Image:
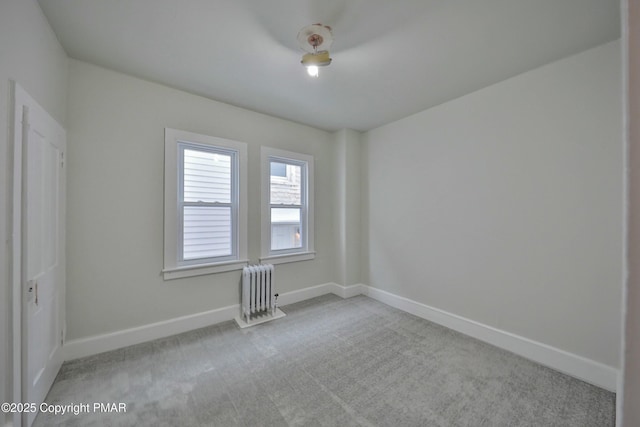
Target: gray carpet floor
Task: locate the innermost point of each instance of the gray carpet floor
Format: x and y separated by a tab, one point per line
330	362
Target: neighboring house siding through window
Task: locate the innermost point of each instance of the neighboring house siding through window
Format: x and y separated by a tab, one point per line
205	204
286	190
287	206
208	206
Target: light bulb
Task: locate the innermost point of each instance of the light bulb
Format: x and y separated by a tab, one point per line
312	70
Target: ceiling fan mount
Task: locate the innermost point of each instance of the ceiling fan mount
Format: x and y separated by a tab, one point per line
315	39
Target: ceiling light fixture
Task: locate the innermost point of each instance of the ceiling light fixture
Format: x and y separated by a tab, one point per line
315	40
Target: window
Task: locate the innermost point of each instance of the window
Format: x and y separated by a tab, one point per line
287	206
205	204
207	198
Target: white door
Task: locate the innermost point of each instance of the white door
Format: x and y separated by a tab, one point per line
43	269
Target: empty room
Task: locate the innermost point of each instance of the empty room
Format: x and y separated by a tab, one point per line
320	213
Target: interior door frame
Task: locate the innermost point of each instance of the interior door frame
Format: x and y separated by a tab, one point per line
19	129
19	98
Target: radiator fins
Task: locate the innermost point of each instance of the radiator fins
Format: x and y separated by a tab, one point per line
258	291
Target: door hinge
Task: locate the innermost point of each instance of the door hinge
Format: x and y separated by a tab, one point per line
62	159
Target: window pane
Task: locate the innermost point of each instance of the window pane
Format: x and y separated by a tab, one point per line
207	232
207	176
278	169
288	189
285	228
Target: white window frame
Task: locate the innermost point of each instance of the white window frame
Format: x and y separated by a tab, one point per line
307	251
174	266
232	204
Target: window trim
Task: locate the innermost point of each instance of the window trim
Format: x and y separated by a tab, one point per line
307	251
174	267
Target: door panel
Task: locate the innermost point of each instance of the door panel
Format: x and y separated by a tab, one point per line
43	145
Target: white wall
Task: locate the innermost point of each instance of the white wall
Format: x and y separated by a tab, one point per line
115	200
631	410
347	207
31	55
505	206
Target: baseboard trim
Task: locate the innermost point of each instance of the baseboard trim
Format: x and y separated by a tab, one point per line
75	349
571	364
347	291
82	347
579	367
304	294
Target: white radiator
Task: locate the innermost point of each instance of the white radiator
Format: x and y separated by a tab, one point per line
258	291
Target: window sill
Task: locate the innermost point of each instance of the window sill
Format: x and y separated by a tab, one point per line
203	269
282	259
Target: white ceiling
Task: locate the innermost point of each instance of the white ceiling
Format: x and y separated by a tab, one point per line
390	58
